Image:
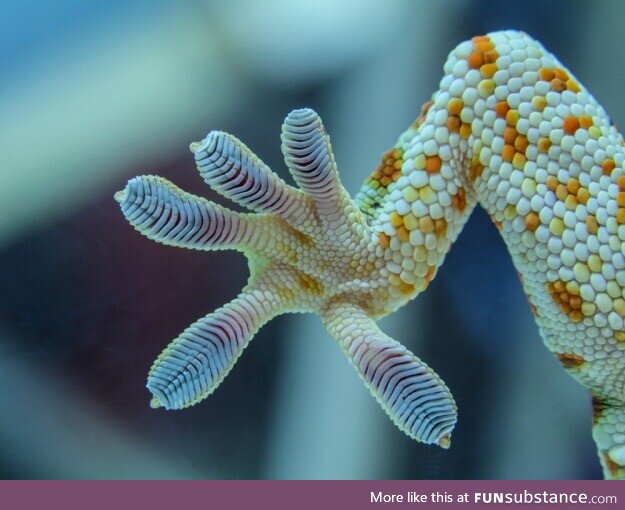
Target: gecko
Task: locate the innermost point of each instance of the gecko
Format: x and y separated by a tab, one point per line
511	129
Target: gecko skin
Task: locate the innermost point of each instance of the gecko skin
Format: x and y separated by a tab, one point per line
510	128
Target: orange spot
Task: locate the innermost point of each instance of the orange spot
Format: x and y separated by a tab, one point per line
567	299
424	110
490	57
608	165
621	182
558	85
433	164
532	221
546	74
520	143
620	216
384	240
459	201
592	225
509	135
552	183
544	144
484	46
571	124
508	153
570	360
598	406
396	220
476	59
476	170
391	161
561	74
454	123
610	465
454	107
583	195
620	199
430	273
426	224
406	288
307	282
572	186
502	108
480	38
585	121
440	227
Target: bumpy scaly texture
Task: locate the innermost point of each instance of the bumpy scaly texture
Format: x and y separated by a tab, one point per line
510	128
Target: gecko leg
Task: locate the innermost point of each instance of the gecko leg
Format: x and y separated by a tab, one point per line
411	393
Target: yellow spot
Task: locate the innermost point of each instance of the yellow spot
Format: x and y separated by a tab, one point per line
488	70
410	194
427	195
465	131
594	132
594	263
486	88
512	117
539	103
509	212
572	86
620	336
518	161
402	233
410	222
619	306
556	226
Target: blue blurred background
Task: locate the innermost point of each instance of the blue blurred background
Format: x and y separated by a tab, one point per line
93	93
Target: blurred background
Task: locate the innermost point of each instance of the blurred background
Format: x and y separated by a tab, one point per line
93	93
